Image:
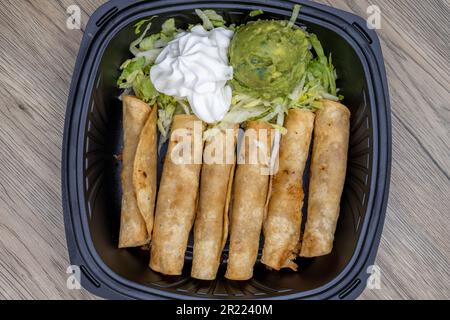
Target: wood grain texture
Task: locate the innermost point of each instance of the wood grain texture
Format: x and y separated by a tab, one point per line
37	57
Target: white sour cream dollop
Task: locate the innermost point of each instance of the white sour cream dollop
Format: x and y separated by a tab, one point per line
195	66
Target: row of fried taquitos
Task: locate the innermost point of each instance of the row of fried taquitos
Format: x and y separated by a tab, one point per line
202	193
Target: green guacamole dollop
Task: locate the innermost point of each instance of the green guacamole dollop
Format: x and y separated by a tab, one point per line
269	58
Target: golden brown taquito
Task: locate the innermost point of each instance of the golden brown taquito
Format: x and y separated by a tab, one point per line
136	117
284	217
211	224
250	196
177	196
327	177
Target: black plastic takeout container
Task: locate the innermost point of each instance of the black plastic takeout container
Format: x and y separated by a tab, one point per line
91	174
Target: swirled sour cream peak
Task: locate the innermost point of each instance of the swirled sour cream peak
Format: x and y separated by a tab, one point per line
195	66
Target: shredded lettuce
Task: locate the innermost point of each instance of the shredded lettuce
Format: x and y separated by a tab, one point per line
134	45
140	24
168	28
143	87
277	112
167	107
210	18
295	14
322	68
246	108
319	81
256	13
207	24
130	70
239	115
148	43
184	105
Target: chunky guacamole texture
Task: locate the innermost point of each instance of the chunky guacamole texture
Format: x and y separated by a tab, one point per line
269	58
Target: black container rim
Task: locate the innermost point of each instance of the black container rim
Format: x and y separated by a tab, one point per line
112	17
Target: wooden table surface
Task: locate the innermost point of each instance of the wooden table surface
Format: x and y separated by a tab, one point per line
37	58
